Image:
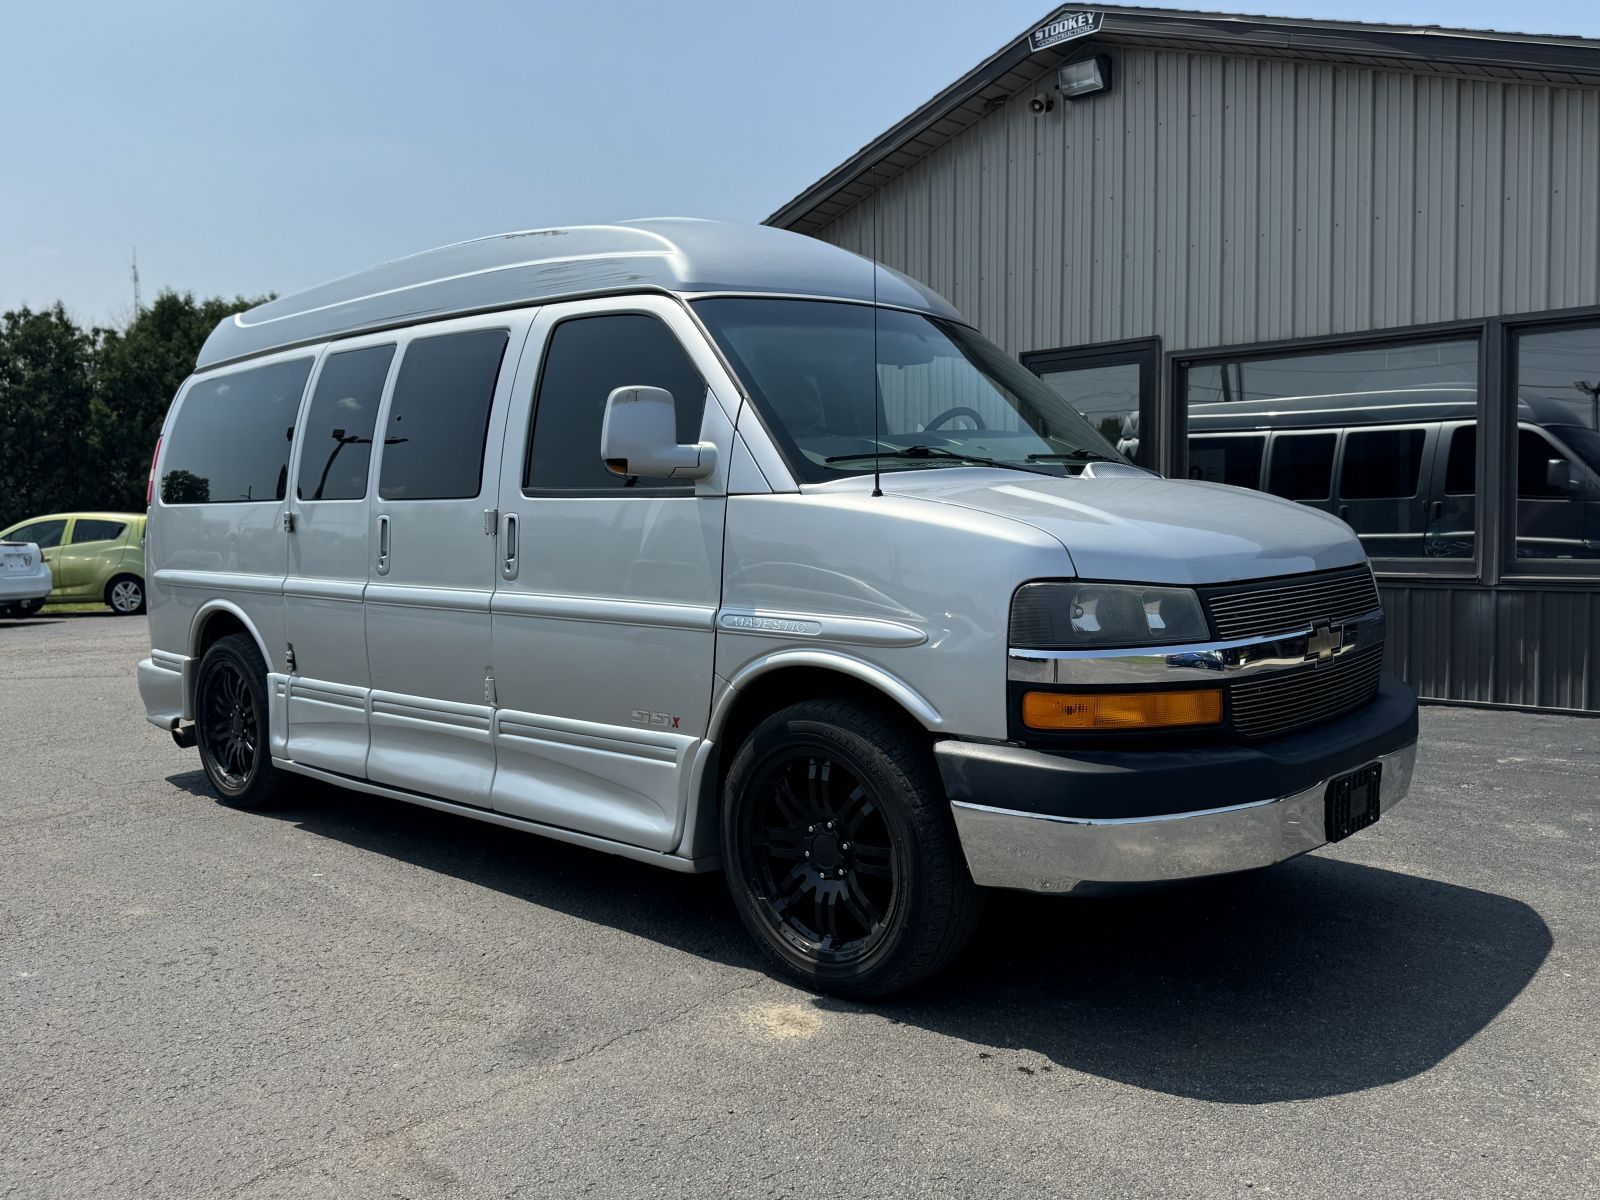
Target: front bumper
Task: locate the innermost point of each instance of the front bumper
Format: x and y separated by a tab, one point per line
1045	822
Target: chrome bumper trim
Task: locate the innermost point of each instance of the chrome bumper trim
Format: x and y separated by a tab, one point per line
1210	662
1039	853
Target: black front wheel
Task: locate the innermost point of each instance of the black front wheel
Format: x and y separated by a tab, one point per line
840	850
231	723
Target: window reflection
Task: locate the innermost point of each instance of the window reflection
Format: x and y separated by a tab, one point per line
1558	446
1108	396
1361	433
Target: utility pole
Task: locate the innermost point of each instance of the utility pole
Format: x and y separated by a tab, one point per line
137	307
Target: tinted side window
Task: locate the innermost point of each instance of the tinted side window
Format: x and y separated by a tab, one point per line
231	439
1461	468
588	358
1235	460
439	417
336	448
43	534
1534	456
1381	464
1302	465
96	531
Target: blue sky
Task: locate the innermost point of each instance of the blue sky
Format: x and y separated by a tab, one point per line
272	146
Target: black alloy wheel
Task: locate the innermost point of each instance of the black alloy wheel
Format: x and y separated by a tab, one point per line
231	723
819	852
232	728
841	853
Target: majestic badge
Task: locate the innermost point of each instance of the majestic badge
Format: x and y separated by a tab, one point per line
1065	28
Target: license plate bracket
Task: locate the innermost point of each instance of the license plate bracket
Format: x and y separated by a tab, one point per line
1352	802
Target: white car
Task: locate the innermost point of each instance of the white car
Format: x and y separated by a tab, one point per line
24	579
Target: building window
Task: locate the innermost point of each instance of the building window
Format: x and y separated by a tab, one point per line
1361	432
1114	386
1557	460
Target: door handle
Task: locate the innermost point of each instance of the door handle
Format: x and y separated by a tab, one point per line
508	561
1344	512
383	545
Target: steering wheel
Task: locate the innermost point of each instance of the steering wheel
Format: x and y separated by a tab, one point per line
951	413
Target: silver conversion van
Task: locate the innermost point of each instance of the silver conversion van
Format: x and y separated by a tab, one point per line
716	546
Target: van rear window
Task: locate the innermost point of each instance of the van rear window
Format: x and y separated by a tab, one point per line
230	442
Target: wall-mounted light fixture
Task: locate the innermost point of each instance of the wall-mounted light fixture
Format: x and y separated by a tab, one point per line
1084	78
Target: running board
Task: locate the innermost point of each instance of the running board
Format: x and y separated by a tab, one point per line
672	862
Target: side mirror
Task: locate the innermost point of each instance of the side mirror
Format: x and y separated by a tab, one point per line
640	437
1558	475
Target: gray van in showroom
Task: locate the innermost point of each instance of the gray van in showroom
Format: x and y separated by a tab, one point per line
716	546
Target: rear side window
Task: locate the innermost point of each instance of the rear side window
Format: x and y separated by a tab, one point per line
43	534
1381	464
1232	460
336	448
1302	465
96	531
439	417
588	358
230	442
1461	468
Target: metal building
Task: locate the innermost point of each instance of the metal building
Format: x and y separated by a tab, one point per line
1356	265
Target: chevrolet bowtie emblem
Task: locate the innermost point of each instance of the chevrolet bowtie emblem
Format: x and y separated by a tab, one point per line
1324	642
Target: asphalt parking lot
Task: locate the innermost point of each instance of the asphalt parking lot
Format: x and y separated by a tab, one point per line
354	998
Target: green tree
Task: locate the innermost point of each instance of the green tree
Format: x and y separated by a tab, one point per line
46	381
137	372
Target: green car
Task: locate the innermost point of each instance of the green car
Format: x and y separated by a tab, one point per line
92	556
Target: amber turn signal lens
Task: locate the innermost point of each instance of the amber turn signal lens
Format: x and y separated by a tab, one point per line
1121	710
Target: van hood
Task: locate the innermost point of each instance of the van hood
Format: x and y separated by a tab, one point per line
1149	529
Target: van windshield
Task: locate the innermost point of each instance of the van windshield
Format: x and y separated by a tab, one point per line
934	394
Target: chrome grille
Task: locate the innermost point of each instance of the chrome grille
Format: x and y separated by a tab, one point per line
1252	611
1295	699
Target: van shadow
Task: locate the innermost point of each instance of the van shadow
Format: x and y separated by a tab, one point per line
1314	978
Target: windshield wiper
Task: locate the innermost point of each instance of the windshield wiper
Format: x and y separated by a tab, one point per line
941	453
1073	456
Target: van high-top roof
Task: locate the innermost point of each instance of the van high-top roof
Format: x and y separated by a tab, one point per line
678	255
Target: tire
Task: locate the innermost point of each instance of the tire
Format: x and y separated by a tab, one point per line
873	902
125	595
26	608
231	727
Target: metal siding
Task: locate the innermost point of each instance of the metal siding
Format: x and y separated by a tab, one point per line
1240	223
1524	646
1212	199
1199	321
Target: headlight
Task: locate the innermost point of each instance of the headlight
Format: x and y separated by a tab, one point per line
1073	616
